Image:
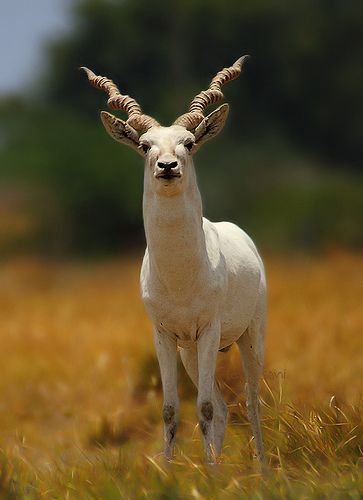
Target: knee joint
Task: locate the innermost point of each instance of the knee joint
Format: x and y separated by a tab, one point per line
206	410
168	414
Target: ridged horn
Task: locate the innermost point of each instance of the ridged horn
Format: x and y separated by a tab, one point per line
136	119
212	95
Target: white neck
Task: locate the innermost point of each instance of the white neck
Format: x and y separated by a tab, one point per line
174	235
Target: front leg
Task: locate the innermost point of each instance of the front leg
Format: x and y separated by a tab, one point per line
166	350
208	345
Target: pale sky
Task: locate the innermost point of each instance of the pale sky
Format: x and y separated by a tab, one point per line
25	25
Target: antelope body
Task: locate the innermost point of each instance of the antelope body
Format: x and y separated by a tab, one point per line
202	283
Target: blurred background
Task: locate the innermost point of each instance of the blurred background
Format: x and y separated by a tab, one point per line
80	391
287	168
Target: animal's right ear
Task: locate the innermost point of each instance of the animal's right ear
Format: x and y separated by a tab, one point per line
121	131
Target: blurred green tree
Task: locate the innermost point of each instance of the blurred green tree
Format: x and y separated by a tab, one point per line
305	75
296	113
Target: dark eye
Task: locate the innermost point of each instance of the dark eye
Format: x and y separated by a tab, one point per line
145	147
189	145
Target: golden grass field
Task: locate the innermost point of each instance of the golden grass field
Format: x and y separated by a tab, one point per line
80	399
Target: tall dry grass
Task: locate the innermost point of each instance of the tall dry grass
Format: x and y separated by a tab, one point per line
80	391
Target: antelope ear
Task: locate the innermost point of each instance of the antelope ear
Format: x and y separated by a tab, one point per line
211	125
120	131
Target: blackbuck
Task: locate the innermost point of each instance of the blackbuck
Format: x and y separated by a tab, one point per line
202	283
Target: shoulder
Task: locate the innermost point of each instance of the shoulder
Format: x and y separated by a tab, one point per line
236	242
232	231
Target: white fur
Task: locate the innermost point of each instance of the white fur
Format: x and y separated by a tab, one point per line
203	286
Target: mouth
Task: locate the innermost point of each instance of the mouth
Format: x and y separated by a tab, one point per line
168	175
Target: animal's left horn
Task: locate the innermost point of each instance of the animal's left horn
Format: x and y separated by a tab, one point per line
210	96
136	118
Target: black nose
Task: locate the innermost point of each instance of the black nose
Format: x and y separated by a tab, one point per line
167	165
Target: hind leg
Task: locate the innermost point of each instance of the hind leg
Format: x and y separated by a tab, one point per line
251	347
189	358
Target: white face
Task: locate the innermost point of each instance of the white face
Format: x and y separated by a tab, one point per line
167	151
168	165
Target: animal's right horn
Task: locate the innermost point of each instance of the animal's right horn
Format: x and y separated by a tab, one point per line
136	119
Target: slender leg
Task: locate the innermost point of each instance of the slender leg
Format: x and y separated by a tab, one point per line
220	419
166	350
250	345
189	358
207	348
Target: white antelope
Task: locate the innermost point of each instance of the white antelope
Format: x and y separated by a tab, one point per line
202	283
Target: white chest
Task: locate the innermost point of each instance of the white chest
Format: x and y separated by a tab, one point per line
184	313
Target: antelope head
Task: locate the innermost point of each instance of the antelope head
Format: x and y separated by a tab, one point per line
167	150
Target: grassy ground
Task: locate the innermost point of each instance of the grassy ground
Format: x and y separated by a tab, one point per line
80	398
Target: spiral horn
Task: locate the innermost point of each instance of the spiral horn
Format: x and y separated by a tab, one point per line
212	95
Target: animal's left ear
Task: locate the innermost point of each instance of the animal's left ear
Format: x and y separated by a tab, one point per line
120	131
211	125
